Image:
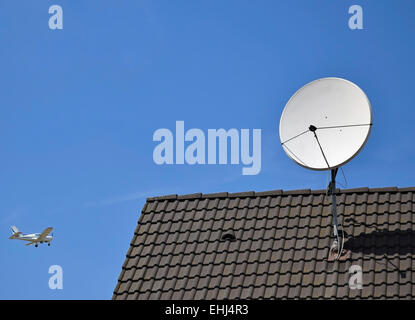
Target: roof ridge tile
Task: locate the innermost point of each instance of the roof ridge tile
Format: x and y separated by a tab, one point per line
242	194
166	197
190	196
269	193
214	195
356	190
386	189
276	193
297	192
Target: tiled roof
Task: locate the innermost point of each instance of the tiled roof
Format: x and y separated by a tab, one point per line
280	246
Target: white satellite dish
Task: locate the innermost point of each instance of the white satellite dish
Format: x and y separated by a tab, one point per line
325	124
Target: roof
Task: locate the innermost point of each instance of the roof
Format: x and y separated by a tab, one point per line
280	246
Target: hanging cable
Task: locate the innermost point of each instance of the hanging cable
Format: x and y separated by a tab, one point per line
344	176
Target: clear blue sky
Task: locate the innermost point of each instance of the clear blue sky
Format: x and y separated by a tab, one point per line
79	106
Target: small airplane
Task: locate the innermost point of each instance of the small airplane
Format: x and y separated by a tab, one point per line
33	238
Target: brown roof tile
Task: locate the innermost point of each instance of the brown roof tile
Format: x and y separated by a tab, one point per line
280	248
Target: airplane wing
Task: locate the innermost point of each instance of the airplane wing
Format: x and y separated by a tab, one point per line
15	235
44	234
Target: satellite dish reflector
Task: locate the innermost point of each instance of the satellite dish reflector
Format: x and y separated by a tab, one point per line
325	124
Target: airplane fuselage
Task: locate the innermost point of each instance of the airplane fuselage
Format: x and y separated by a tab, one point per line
33	237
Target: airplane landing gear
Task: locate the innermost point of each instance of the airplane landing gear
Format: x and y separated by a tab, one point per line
48	244
36	245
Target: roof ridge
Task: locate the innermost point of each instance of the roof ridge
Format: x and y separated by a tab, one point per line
278	192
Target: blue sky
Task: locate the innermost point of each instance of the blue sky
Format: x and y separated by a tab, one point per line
79	106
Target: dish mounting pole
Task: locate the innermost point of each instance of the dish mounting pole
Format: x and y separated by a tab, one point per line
334	203
336	251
